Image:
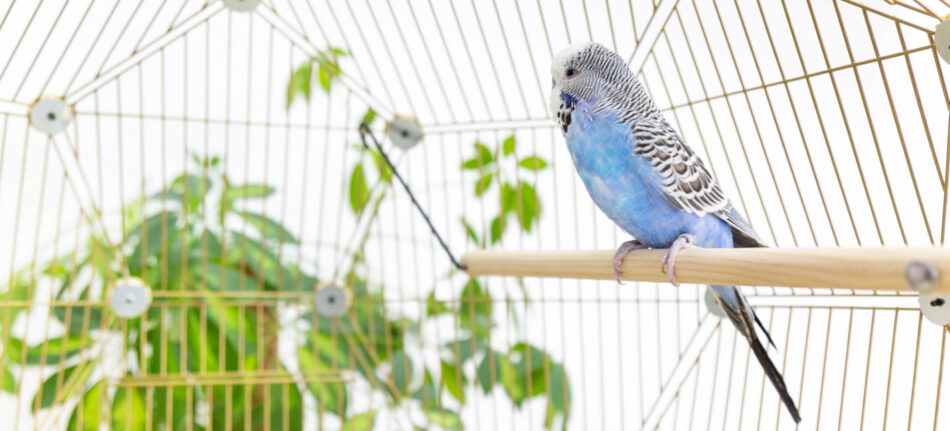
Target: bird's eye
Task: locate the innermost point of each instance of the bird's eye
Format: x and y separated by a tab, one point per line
571	72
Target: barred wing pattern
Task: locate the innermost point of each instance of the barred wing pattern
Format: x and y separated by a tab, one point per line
687	183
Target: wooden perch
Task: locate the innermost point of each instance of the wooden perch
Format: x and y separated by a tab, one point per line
844	268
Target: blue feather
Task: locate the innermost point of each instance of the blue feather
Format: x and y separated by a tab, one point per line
568	100
627	188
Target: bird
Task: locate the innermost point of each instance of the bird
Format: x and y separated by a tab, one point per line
646	179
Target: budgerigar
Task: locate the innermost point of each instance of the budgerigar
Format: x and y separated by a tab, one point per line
646	179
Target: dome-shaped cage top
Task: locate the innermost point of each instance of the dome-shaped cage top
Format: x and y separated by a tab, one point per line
211	151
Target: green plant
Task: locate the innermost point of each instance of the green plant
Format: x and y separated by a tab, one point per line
517	197
221	275
522	371
195	235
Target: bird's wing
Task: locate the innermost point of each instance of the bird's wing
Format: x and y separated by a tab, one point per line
687	184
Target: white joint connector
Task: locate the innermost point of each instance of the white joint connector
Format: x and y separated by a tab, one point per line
50	114
922	276
332	300
712	304
242	5
129	297
942	39
404	131
936	308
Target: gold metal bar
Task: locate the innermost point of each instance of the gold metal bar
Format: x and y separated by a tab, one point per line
842	268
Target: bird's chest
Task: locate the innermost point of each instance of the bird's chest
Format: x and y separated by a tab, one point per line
623	185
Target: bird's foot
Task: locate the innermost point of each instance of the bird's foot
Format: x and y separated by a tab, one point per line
668	264
622	251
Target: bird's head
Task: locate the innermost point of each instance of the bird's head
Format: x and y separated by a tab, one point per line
589	71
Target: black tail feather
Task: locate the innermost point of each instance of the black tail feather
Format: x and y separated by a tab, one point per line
774	376
766	331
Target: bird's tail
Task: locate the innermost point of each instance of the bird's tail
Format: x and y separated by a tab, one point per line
742	316
773	375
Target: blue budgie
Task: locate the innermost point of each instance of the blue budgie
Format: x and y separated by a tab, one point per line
646	179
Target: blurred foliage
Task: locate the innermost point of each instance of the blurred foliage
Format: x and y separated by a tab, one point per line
523	371
325	66
516	196
198	234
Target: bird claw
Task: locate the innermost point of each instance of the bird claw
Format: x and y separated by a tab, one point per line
668	264
622	251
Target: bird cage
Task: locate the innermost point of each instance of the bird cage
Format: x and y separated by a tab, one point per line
246	214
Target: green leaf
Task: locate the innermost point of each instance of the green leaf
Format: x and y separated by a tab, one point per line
269	228
483	183
454	381
299	83
70	385
402	371
445	419
525	361
285	398
9	382
368	117
80	316
239	328
530	358
332	396
204	336
326	76
328	60
476	306
359	192
55	348
102	258
361	422
560	399
427	393
229	281
58	267
434	306
549	417
194	185
470	231
249	191
150	245
533	163
382	168
500	373
224	203
483	157
472	164
509	198
530	208
263	263
508	146
334	353
89	417
497	228
127	407
466	348
484	153
18	291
